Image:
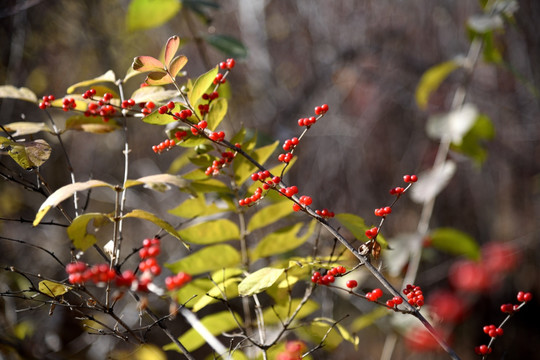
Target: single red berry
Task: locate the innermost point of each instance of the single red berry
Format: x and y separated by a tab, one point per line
296	207
378	293
414	178
407	178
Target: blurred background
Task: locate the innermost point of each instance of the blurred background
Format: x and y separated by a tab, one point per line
364	58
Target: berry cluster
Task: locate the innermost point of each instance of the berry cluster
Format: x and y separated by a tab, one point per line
264	176
46	103
201	125
372	233
251	199
147	108
285	158
128	104
177	281
226	158
482	350
304	200
164	145
325	213
293	351
351	284
68	104
184	114
79	273
383	211
217	136
320	110
410	178
227	64
212	96
166	108
397	191
395	301
149	265
180	135
307	122
493	331
329	277
290	144
374	295
219	79
414	295
204	109
89	94
289	191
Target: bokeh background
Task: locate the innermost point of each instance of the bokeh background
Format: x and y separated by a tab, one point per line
362	57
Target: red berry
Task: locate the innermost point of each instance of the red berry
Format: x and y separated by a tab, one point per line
351	284
296	207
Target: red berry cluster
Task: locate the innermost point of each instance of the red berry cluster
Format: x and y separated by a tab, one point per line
164	145
204	109
47	100
524	296
285	158
264	177
89	94
304	200
180	135
414	295
320	110
184	114
493	331
147	108
482	350
290	144
227	64
219	79
410	178
166	108
69	103
372	233
307	121
351	284
150	250
397	191
374	295
226	158
383	211
177	281
325	213
329	277
251	199
201	125
293	351
212	96
395	301
126	279
217	136
79	273
128	104
289	191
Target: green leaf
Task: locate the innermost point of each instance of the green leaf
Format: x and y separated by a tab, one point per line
145	215
209	185
147	14
471	145
170	49
223	274
52	289
282	312
243	168
228	45
196	207
109	76
192	291
156	118
211	232
91	124
63	193
177	64
282	240
320	326
356	225
432	79
455	242
158	180
180	161
147	352
216	324
218	110
209	258
201	85
21	128
78	233
229	287
269	214
11	92
259	281
28	154
369	318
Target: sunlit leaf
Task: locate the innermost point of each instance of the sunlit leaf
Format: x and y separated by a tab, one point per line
432	181
147	63
27	154
340	329
282	240
52	289
148	352
209	185
11	92
201	85
221	275
209	258
283	312
170	49
91	124
211	232
431	80
147	14
229	287
180	161
369	318
177	64
453	125
63	193
269	214
158	179
216	113
259	281
156	118
356	225
216	324
78	230
191	292
228	45
109	76
145	215
455	242
25	128
158	78
195	207
152	93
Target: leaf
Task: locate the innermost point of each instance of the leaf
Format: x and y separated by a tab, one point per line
356	225
91	124
259	281
216	113
52	289
453	125
269	214
147	63
455	242
431	182
192	291
109	76
80	105
170	49
158	78
209	185
148	352
211	232
21	128
63	193
156	118
369	319
282	312
196	207
472	141
228	45
216	324
202	84
152	93
28	154
147	14
177	64
145	215
209	258
77	230
243	168
229	287
282	240
432	79
353	339
152	181
11	92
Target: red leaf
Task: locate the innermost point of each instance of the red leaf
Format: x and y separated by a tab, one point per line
171	48
147	63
